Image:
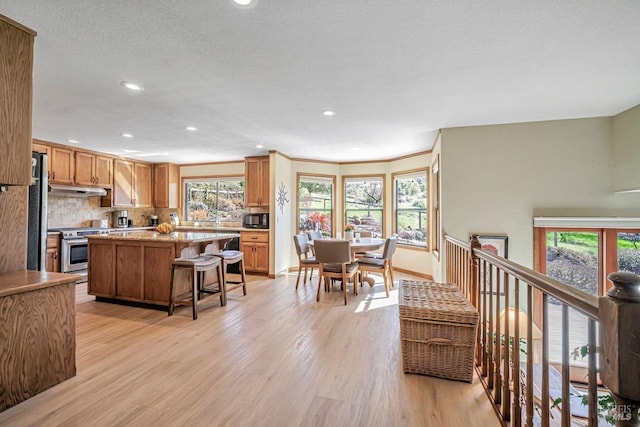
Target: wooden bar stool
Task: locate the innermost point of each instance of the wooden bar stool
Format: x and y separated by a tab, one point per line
229	257
195	268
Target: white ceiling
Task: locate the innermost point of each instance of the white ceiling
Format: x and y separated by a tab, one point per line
394	72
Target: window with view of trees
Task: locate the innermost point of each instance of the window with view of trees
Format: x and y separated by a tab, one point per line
583	258
364	203
410	207
219	200
315	203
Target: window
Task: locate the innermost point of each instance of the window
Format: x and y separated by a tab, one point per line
315	203
410	206
582	257
364	203
219	200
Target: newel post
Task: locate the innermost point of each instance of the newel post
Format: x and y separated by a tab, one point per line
474	286
474	289
620	345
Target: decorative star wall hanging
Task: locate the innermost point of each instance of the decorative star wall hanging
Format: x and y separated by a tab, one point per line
282	197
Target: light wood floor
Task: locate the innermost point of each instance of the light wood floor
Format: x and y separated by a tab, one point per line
273	358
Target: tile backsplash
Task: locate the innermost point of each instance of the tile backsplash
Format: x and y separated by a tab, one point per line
64	211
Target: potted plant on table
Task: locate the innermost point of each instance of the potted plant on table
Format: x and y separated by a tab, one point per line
348	232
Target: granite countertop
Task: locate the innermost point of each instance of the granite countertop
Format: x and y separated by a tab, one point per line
214	228
175	237
20	281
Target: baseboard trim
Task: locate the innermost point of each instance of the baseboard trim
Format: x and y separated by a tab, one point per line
399	270
413	273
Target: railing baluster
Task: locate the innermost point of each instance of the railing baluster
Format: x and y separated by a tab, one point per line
566	402
483	317
529	384
593	380
515	352
545	361
506	392
492	361
498	382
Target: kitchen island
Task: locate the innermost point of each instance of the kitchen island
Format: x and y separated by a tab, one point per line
37	333
135	266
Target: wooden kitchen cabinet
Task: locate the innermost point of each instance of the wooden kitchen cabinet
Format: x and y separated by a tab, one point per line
16	89
131	184
123	183
38	332
61	165
255	246
166	185
102	264
104	171
142	187
93	169
256	170
52	261
40	148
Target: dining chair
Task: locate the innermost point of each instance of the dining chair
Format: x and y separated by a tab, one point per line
372	254
305	260
381	265
334	257
365	234
314	235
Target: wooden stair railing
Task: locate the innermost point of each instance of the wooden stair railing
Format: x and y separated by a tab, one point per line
492	283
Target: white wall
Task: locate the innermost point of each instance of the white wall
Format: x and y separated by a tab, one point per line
625	150
281	236
495	179
436	266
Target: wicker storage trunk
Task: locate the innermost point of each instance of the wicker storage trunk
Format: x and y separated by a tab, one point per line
438	330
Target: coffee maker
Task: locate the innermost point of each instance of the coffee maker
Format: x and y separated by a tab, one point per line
153	220
121	218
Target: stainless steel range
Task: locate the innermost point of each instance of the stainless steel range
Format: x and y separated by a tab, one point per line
74	250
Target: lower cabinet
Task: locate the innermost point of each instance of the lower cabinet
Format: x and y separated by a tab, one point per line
52	262
134	271
37	332
255	246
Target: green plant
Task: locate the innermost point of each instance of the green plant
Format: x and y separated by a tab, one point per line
605	403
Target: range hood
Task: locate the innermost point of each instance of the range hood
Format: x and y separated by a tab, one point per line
75	190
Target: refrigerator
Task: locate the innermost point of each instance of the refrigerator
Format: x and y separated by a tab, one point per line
37	221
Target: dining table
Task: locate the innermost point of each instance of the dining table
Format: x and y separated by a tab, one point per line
362	244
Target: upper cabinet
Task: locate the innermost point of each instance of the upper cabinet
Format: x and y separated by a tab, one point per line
93	169
41	147
61	165
131	184
142	187
16	88
166	185
256	171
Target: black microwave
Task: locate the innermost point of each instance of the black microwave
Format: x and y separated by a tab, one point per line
256	220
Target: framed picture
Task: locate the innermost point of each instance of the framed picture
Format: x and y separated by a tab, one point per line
495	244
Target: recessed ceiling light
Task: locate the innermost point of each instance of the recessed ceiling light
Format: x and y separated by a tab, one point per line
191	128
328	113
259	146
243	2
127	135
73	141
132	86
